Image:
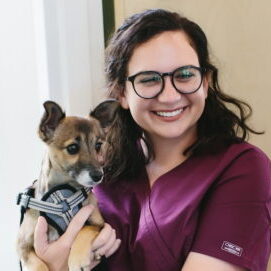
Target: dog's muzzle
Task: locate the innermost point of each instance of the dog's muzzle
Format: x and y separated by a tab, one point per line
87	177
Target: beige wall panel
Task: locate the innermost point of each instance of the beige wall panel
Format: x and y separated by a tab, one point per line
240	41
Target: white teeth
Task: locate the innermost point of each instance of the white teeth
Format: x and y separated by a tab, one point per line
169	114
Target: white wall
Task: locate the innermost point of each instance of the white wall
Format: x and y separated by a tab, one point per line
48	49
74	44
20	149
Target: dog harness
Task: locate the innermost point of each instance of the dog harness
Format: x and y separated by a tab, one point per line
59	205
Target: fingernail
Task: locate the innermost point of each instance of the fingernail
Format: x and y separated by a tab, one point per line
41	219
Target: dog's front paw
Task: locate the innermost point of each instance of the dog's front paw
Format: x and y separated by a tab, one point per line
79	259
80	268
80	262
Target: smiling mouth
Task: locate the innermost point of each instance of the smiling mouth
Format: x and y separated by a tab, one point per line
169	114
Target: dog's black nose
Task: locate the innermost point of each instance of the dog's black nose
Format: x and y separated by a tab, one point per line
97	176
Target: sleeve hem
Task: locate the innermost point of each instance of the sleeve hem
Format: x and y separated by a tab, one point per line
240	262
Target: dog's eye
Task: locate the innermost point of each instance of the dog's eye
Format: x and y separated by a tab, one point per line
73	149
98	145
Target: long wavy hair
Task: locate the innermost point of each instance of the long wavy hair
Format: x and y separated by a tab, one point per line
222	122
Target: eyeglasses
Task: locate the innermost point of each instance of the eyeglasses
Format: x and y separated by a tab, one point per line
149	84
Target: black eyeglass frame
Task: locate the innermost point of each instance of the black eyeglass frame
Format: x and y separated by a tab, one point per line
131	78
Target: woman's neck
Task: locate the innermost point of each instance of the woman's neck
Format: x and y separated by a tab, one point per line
168	154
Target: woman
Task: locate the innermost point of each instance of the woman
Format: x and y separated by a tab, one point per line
184	191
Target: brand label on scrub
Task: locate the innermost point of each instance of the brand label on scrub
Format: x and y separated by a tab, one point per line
231	248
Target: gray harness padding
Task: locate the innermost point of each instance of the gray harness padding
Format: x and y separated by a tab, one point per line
59	205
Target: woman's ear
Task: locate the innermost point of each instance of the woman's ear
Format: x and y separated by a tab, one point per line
123	100
205	84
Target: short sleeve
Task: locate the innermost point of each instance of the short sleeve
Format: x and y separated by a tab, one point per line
234	222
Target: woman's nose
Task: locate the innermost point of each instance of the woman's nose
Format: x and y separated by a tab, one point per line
169	93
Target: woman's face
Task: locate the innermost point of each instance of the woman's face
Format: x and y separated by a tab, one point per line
170	115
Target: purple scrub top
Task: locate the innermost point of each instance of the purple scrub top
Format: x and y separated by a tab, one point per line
218	205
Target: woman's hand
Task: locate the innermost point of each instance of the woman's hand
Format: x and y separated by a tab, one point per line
104	245
49	252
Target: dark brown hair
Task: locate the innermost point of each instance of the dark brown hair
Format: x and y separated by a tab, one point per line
223	121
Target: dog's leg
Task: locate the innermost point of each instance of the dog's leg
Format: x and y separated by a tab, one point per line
79	258
25	242
96	218
34	263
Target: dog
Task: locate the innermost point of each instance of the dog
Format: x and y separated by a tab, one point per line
72	165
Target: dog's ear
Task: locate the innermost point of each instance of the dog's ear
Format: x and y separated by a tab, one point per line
52	116
105	112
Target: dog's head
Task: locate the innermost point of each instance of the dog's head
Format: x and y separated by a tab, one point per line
75	145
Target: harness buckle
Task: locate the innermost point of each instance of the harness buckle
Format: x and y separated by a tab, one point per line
18	198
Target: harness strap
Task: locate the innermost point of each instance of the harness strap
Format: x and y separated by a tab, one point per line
27	201
30	191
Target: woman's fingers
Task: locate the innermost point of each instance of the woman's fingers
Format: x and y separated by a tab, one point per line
76	224
106	243
40	236
113	248
103	237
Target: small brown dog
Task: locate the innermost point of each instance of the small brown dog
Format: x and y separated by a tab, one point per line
72	165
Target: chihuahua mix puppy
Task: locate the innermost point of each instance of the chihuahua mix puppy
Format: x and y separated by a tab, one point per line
72	166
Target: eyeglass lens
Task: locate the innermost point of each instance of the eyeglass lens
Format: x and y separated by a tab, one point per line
185	80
